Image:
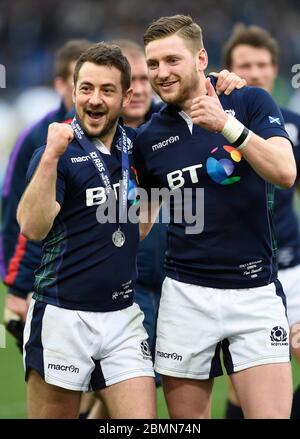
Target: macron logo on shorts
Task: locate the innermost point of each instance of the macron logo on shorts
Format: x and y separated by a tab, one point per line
173	356
170	140
63	368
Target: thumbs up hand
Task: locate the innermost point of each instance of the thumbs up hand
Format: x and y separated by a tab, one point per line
210	89
207	111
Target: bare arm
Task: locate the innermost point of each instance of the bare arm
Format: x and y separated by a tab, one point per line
272	159
38	206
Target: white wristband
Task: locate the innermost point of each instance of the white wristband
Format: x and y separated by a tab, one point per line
236	133
233	129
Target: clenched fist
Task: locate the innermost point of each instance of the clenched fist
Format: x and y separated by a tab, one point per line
207	110
59	137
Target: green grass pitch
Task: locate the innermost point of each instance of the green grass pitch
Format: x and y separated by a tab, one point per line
13	390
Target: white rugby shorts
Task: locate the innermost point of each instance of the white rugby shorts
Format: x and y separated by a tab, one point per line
81	351
195	323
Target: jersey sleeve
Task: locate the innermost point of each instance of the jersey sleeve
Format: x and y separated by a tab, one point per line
264	116
61	174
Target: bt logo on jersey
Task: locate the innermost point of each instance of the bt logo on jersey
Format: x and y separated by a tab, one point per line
176	179
220	171
97	195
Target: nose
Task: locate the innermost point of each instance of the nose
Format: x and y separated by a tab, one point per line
95	98
163	71
255	73
137	87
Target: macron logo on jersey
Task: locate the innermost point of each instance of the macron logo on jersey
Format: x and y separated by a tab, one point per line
83	158
166	142
273	119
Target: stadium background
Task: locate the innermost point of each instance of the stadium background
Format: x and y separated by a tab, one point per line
31	31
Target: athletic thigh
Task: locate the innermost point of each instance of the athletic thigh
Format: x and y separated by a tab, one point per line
134	398
265	391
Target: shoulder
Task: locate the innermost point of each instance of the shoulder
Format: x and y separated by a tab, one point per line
147	133
248	95
255	107
155	107
153	123
72	151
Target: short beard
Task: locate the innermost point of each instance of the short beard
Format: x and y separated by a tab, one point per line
105	130
183	93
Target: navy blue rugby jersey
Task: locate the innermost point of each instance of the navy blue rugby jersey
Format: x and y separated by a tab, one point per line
286	221
237	247
81	268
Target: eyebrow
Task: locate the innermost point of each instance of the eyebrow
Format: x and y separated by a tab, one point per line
108	84
150	60
85	83
165	57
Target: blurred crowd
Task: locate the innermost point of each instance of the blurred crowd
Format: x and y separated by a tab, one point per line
31	31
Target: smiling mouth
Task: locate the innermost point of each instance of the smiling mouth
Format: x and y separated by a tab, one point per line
96	115
167	84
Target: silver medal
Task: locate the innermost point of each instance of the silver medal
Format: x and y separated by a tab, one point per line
118	238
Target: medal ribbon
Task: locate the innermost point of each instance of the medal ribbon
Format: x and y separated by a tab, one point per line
95	155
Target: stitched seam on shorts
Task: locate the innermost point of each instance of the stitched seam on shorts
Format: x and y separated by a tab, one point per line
144	369
260	359
184	372
64	381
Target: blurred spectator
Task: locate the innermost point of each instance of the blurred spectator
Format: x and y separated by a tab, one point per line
29	33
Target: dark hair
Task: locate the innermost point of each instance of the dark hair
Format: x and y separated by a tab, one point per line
251	36
182	25
104	54
68	53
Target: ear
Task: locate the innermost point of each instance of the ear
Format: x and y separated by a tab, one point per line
127	97
202	60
